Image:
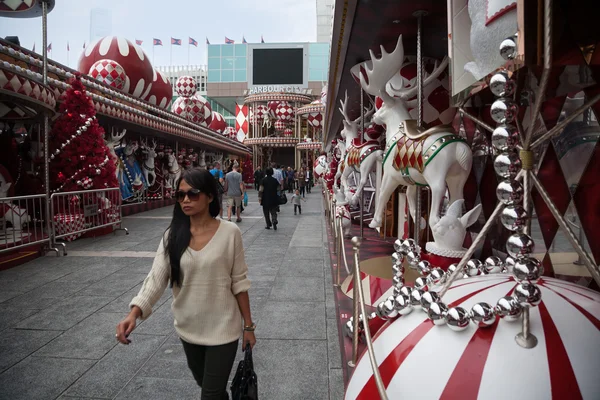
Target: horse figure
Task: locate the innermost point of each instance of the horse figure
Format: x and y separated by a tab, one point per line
436	157
174	170
149	166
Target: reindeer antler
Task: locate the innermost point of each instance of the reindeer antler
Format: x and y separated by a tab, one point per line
408	92
154	144
344	108
115	136
382	71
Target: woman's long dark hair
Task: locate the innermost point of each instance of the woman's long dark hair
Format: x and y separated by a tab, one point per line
178	236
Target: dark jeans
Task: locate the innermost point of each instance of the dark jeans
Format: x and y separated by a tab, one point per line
301	188
256	185
297	207
270	214
211	367
290	186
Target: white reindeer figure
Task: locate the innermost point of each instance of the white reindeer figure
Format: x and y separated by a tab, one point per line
111	143
358	157
174	170
413	156
149	166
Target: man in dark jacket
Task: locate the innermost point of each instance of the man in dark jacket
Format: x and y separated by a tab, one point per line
269	199
258	176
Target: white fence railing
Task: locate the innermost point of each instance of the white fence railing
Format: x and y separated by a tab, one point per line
22	222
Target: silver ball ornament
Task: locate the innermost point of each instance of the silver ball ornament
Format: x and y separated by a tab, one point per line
527	269
457	319
528	294
52	156
403	304
388	308
84	128
56	152
507	164
514	217
504	111
424	267
436	277
452	268
505	138
509	265
501	85
398	245
415	297
397	281
437	313
473	267
379	310
397	258
508	309
396	269
519	244
492	265
482	315
396	290
508	48
78	132
349	328
510	191
79	182
427	299
88	123
413	258
408	245
421	283
406	290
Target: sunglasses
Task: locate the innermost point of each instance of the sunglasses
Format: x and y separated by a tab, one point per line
192	194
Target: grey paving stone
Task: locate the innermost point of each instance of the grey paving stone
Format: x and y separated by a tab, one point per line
8	294
292	320
10	316
170	366
333	344
92	338
16	344
159	323
92	272
304	253
141	388
141	265
121	303
302	268
330	304
291	369
114	285
307	241
151	245
65	314
45	295
41	378
110	375
261	281
336	384
298	289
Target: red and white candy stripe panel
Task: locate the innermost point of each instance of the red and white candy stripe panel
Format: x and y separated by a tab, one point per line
67	223
420	360
375	289
17	82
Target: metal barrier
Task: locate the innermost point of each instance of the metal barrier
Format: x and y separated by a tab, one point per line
74	213
22	222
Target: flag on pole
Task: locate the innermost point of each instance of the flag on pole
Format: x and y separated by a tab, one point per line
84	45
176	42
244	39
139	42
33	47
194	42
229	41
49	47
157	42
261	39
207	42
68	47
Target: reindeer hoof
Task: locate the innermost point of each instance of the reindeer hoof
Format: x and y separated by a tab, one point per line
375	224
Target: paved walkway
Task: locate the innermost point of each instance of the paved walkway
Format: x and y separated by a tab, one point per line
58	316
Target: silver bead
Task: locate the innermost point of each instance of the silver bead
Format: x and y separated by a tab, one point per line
452	268
437	313
421	283
527	269
501	85
436	277
56	152
514	217
396	290
84	128
509	264
519	244
52	156
473	267
528	294
482	315
413	258
79	182
398	245
68	141
78	132
505	137
509	191
402	304
424	267
507	165
379	310
427	299
508	309
397	281
492	265
397	258
88	123
457	319
98	171
408	245
406	290
396	269
415	297
504	111
349	328
389	309
508	48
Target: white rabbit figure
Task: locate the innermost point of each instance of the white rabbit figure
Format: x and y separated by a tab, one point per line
450	231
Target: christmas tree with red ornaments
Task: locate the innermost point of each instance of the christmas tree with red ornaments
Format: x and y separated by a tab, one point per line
79	157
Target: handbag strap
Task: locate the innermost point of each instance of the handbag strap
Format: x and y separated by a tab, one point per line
248	362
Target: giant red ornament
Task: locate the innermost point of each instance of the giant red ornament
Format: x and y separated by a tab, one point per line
279	125
218	122
206	109
161	91
186	86
190	108
109	72
131	57
284	111
272	107
230	132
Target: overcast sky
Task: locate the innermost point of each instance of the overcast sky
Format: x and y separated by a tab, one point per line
276	20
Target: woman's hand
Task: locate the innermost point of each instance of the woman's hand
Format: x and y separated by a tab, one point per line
248	338
125	327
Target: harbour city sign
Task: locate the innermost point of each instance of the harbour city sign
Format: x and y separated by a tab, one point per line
278	89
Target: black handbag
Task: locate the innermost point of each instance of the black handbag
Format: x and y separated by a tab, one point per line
245	383
283	198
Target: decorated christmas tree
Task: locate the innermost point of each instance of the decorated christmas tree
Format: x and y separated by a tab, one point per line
79	157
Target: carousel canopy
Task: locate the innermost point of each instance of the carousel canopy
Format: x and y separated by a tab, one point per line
23	8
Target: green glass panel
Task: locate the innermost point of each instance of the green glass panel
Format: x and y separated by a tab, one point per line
240	75
240	50
227	76
214	50
227	50
214	63
318	49
214	75
240	63
227	63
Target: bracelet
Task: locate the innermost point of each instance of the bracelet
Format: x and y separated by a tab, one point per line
250	328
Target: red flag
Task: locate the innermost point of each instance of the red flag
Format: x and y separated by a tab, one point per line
229	41
244	40
157	42
193	42
176	42
139	42
49	47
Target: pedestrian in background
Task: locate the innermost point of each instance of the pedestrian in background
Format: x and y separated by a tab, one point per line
218	174
301	181
296	201
234	188
258	176
268	198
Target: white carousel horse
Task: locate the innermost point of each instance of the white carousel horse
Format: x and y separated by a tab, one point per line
320	166
435	157
149	165
340	148
202	159
174	170
359	157
343	207
111	143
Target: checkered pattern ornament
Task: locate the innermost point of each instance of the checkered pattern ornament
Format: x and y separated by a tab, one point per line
67	223
272	107
262	112
279	125
186	86
218	123
288	132
191	109
109	72
230	132
206	110
315	119
284	111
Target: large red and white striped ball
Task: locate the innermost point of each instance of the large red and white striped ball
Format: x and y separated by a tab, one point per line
186	86
272	107
129	56
279	125
230	132
161	92
218	123
288	132
109	72
206	109
315	119
284	111
190	108
419	359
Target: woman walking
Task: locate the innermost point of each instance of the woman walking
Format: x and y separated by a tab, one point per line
203	260
302	181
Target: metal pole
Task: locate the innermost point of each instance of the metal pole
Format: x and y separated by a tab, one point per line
362	135
417	216
355	305
46	123
476	120
340	254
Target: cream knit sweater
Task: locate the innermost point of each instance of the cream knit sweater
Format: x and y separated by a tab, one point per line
205	308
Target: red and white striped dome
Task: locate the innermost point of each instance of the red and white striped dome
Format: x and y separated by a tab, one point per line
315	119
161	92
284	111
420	360
218	123
109	72
131	57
